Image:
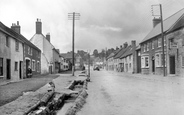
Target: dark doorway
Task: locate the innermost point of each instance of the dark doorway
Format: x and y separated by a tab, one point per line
27	65
20	69
50	69
8	68
172	64
138	62
153	64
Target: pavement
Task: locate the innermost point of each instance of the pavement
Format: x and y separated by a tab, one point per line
28	99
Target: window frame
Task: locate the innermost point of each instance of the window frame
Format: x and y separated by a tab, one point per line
33	65
16	45
7	41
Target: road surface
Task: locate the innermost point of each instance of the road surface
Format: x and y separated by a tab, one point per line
113	93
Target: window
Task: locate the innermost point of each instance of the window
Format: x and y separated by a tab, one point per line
29	50
147	46
33	65
153	45
130	57
7	41
129	65
16	45
146	62
159	42
171	42
1	66
16	66
144	47
157	59
164	41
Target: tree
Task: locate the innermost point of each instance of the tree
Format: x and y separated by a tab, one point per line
95	53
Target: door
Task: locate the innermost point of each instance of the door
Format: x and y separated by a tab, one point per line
8	69
172	64
153	64
27	65
20	69
138	64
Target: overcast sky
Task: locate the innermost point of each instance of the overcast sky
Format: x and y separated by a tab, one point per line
103	23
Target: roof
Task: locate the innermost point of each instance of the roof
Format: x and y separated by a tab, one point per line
111	55
167	24
120	53
8	31
127	51
67	55
16	35
114	53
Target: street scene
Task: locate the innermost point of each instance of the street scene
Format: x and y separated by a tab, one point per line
92	57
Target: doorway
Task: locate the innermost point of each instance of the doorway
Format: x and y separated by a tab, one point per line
20	69
172	64
153	64
8	69
27	66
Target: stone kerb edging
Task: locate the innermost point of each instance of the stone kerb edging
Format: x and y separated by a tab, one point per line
79	102
43	101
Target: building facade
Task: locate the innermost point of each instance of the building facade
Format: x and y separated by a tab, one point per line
43	43
11	54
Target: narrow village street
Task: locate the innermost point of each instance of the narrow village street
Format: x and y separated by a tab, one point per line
113	93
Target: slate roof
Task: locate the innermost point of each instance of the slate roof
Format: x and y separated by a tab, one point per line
16	35
113	53
167	24
127	52
67	55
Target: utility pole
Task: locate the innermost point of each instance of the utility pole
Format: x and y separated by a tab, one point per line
89	63
162	30
73	16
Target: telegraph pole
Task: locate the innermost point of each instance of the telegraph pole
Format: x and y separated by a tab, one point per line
73	16
162	30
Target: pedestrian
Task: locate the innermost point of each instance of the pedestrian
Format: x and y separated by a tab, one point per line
29	72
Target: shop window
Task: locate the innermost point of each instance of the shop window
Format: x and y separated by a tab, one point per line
146	62
1	66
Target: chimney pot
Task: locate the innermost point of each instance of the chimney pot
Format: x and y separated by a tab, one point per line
17	23
125	44
48	36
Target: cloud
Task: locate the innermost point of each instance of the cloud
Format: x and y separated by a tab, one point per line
103	23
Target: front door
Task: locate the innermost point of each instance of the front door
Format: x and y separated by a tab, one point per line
20	69
172	64
27	66
153	64
8	69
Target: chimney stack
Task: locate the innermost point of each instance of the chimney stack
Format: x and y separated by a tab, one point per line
15	27
38	26
117	48
133	43
121	47
156	21
48	37
125	44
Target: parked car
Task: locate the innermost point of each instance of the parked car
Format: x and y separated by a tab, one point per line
96	68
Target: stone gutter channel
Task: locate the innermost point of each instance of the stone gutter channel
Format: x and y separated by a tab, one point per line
52	102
